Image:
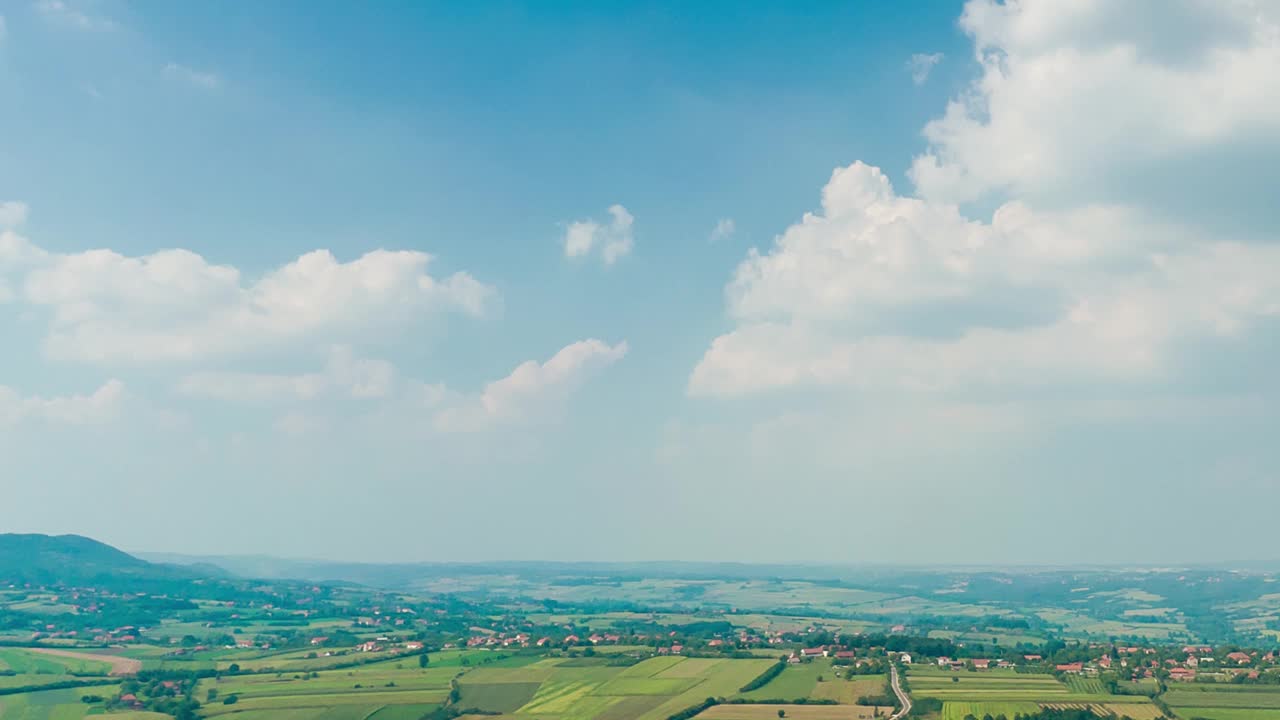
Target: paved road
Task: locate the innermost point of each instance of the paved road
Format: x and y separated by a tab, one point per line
903	698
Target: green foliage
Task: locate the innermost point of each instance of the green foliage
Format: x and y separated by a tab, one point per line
763	679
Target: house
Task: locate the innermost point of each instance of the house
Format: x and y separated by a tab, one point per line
543	641
572	639
677	649
904	658
1033	658
1104	662
845	655
1239	658
944	661
413	646
981	663
1074	668
131	700
813	652
1181	674
793	660
320	640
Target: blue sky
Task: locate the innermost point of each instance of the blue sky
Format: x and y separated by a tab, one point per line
640	280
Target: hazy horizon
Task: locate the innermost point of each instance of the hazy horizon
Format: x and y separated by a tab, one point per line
921	283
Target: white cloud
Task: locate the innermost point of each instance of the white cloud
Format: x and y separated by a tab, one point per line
921	64
1088	274
344	374
881	292
531	391
174	305
1074	95
101	406
723	230
197	78
68	15
12	214
614	240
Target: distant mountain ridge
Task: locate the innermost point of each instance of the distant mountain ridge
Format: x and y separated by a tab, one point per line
75	559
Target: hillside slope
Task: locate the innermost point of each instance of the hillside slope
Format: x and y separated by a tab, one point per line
72	559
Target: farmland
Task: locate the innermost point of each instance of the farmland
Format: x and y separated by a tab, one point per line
997	692
1224	702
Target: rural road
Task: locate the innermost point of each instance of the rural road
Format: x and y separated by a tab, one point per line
902	697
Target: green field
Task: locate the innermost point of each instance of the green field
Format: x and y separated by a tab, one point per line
544	688
27	662
958	710
55	704
795	681
1000	687
1223	697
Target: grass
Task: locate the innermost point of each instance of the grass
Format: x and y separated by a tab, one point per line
1227	713
496	697
27	662
995	687
1085	686
1132	710
50	704
722	680
958	710
794	682
793	712
848	691
1220	698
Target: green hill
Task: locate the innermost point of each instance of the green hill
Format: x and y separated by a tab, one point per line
73	559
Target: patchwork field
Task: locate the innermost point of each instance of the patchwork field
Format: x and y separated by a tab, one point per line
959	710
582	688
1134	711
998	692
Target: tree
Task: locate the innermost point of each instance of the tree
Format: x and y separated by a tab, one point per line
423	660
782	713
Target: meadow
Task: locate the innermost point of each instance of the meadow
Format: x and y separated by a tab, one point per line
1224	702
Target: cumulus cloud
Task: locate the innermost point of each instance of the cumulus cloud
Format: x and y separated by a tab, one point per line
723	230
101	406
70	16
197	78
531	391
174	305
1086	275
881	291
1077	100
612	240
921	64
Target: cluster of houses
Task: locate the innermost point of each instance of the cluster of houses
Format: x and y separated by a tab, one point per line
843	654
1141	661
